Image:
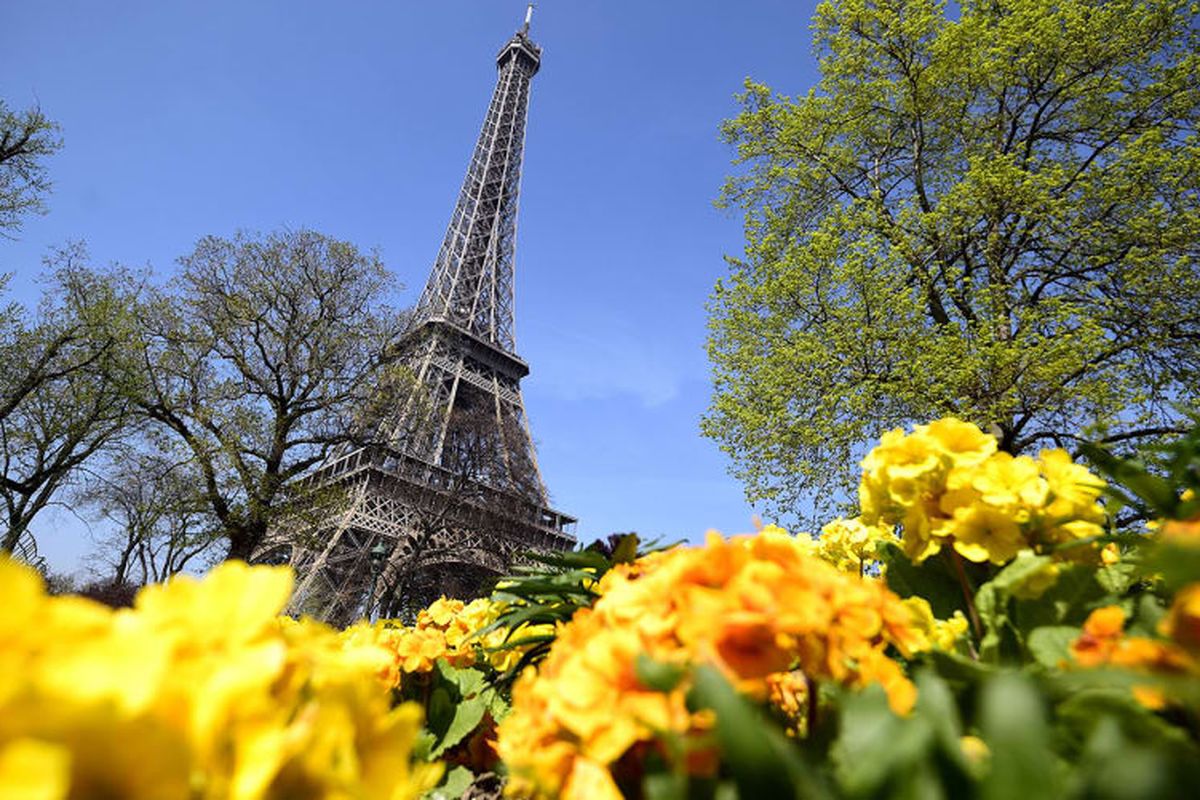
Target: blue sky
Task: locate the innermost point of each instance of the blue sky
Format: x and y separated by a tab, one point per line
357	119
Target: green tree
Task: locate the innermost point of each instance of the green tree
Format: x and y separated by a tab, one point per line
994	216
26	137
255	360
57	408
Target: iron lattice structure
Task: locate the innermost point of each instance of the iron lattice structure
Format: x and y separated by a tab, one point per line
452	495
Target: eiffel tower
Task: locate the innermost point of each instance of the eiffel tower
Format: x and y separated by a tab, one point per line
452	495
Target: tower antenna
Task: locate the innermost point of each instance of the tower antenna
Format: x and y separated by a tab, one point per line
528	18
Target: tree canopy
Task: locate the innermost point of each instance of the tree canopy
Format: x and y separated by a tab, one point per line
57	408
254	362
26	137
995	216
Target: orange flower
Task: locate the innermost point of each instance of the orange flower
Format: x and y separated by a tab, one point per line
417	649
1182	622
760	608
1102	643
1101	632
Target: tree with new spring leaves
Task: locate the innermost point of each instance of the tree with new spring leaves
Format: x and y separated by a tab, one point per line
993	215
254	361
59	409
26	137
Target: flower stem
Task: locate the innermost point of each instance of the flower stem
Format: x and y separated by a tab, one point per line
969	597
810	720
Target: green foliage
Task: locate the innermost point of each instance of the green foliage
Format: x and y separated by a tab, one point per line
459	699
760	758
879	754
994	216
549	593
26	139
58	410
930	579
1163	481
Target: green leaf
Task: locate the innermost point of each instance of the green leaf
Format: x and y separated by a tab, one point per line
1117	578
1149	611
1024	567
665	786
440	711
1115	768
498	707
1177	565
935	703
960	669
467	681
1157	494
1068	602
762	760
536	614
880	754
1050	645
527	588
991	608
424	745
932	579
874	743
453	785
660	676
467	716
626	550
1013	724
1085	709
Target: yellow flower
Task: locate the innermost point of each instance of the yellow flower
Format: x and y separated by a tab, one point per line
1071	485
946	482
788	693
1009	482
590	780
198	691
975	750
1183	532
896	473
850	544
34	770
984	533
964	443
1103	642
938	633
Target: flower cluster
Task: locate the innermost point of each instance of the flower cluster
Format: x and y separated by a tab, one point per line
1104	643
851	544
447	629
948	485
943	634
757	607
199	691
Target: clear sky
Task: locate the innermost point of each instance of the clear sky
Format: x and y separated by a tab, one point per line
182	119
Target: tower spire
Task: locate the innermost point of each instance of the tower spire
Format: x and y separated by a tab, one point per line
528	19
471	284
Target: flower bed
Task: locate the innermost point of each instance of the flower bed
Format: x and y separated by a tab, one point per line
980	629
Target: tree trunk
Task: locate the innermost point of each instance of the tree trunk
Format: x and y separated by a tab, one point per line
244	541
